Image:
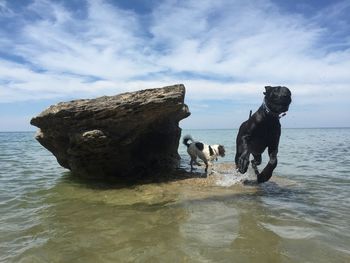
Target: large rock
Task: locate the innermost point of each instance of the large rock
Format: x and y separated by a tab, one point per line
127	135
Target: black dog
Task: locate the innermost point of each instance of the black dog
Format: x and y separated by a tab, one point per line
261	130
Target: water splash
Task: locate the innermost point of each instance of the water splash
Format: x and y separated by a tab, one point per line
229	177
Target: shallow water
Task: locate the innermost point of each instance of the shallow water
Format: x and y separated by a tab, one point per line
301	215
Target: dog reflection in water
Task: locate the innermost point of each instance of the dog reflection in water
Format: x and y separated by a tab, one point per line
207	153
262	130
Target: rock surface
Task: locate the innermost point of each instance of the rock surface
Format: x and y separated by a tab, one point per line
126	136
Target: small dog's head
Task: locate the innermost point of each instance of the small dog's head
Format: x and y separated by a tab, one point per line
278	98
221	150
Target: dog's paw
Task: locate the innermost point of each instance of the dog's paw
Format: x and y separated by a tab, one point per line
243	163
263	177
255	168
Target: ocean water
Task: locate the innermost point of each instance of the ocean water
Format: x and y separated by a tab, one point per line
301	215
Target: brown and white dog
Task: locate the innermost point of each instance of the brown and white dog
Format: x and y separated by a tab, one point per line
206	153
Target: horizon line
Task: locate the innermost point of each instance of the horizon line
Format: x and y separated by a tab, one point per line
290	128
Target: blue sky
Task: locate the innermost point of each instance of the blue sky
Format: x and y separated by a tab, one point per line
223	51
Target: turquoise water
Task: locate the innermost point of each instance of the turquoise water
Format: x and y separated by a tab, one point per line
301	215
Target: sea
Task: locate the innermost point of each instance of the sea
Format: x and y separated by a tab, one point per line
301	215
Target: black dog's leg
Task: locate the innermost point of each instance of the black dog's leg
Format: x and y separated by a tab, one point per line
239	152
266	174
243	160
243	139
257	159
256	162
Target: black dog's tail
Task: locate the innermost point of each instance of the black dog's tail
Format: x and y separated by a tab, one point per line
250	113
186	139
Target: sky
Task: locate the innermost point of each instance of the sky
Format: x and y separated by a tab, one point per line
224	51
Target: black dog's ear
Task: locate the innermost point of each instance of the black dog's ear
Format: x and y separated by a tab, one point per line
268	89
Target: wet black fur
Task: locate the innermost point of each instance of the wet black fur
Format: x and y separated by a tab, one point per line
262	130
199	146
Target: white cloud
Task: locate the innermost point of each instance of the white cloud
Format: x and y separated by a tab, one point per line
228	49
102	45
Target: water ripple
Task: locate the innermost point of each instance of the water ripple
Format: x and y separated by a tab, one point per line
301	215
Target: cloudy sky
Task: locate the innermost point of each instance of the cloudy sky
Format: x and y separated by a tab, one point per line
223	51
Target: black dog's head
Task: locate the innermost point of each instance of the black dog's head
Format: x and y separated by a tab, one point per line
278	98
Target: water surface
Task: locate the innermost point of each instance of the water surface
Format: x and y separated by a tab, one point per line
301	215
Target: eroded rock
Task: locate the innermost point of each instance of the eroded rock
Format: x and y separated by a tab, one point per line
127	135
